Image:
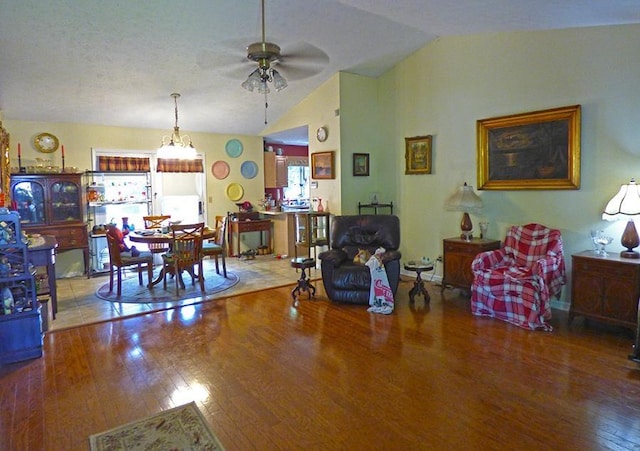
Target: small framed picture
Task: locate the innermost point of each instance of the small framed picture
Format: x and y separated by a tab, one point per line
361	164
418	155
322	164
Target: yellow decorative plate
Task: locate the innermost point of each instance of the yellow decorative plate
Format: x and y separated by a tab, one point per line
235	191
46	143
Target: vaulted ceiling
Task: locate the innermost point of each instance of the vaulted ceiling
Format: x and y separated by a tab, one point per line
117	62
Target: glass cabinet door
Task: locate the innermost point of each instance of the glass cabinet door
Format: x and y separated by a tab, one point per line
65	200
28	199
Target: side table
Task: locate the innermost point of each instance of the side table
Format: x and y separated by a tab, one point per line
418	285
458	256
303	283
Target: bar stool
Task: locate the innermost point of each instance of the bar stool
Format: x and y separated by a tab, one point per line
304	284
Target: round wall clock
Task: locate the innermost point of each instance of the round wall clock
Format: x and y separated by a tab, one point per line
322	134
46	143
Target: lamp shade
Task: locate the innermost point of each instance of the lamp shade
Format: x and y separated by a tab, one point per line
625	205
465	199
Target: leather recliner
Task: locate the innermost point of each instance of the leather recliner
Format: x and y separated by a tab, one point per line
348	282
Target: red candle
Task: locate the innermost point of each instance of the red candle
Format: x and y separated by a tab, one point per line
19	150
63	150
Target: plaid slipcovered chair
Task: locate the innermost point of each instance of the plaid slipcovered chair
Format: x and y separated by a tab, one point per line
515	283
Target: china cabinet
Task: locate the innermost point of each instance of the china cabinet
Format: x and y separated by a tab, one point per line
52	204
457	258
110	197
275	170
312	229
20	322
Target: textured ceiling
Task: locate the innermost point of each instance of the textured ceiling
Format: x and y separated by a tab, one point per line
117	62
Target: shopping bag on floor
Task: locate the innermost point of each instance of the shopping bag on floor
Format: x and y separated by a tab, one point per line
380	294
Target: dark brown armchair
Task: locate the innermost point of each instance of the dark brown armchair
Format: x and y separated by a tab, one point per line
346	281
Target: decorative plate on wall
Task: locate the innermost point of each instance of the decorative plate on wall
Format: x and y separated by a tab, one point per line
249	169
235	191
233	148
220	169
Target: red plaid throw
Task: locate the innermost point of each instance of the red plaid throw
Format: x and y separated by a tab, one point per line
515	283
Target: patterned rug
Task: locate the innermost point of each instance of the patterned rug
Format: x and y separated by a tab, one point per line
133	292
180	428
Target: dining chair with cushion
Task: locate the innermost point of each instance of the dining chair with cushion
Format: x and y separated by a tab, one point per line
121	259
185	254
217	247
157	223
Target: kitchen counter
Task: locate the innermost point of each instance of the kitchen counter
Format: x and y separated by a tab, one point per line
286	211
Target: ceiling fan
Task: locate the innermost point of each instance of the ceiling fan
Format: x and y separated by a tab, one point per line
294	61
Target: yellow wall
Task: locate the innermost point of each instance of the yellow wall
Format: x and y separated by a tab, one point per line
79	139
317	110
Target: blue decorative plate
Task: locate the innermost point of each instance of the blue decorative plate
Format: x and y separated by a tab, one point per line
233	148
249	169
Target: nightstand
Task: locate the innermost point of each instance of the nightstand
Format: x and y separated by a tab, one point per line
457	257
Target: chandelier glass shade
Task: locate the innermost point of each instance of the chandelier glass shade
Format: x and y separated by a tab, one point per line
175	146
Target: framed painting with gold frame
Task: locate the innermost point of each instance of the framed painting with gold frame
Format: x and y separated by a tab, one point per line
322	165
530	151
418	155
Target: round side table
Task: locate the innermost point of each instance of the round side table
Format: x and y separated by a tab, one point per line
418	285
304	284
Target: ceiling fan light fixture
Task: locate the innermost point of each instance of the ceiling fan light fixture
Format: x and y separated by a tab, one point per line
278	80
176	146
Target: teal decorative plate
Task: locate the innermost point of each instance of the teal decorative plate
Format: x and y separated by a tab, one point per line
233	148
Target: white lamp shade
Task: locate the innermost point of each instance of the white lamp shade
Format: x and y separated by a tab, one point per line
465	199
625	204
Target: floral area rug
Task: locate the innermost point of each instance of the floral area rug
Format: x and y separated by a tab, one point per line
180	428
133	292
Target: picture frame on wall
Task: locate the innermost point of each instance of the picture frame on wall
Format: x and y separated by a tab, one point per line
530	151
360	164
418	155
322	165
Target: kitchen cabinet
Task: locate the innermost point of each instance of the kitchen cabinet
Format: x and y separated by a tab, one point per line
20	321
606	289
458	256
275	170
52	204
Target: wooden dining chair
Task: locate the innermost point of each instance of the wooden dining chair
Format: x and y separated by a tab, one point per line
156	223
217	247
185	255
119	260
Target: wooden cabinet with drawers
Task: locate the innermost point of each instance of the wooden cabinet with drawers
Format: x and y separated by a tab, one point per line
457	257
605	288
52	204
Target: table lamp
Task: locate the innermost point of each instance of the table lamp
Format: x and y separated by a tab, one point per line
626	205
465	200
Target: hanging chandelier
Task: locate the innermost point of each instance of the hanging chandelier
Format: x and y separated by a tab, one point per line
175	146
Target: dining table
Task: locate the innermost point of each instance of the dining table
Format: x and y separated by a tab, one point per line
158	236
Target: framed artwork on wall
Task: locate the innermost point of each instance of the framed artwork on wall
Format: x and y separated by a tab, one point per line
418	155
528	151
322	165
360	164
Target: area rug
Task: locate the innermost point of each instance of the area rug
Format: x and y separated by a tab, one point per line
133	292
180	428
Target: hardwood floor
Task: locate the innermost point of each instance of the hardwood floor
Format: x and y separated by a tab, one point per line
328	376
